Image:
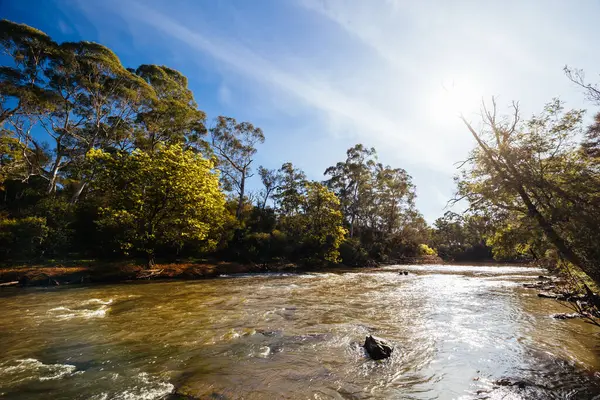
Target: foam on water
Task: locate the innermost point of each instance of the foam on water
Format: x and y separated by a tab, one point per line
30	368
84	310
146	388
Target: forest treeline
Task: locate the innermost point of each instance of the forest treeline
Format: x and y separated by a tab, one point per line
102	161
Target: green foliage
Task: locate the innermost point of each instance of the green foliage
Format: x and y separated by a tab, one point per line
377	202
119	165
22	238
59	216
534	184
353	254
170	198
318	226
463	238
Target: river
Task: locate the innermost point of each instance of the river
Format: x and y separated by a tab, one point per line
456	331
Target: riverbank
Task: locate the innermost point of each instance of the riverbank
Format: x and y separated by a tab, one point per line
77	272
103	272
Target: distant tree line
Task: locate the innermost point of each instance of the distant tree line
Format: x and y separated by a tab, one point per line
103	161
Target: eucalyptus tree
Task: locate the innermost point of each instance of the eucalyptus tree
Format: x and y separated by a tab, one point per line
171	116
288	194
235	146
107	98
350	180
22	85
534	169
77	92
395	194
23	95
270	178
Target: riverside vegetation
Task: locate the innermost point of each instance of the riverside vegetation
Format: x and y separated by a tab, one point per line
103	162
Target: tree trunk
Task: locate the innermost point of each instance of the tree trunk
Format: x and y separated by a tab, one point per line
78	190
512	176
238	211
53	177
151	259
561	245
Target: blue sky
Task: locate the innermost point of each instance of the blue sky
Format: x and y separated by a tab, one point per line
319	76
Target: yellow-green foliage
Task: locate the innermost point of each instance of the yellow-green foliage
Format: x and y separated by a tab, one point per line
319	224
425	250
167	198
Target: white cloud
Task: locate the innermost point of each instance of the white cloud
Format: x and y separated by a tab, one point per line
349	113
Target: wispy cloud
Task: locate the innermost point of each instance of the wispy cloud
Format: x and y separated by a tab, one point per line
339	107
370	34
366	71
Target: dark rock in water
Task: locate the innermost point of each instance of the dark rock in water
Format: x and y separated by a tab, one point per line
405	272
572	297
179	396
548	295
511	382
544	278
176	395
269	333
377	348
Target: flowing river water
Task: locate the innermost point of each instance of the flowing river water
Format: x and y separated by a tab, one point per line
457	330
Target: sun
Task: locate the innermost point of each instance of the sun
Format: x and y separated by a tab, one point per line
455	97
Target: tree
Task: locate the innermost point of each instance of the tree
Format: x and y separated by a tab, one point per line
172	115
317	229
535	169
168	198
394	196
270	180
378	205
349	180
288	195
463	237
22	85
235	146
78	92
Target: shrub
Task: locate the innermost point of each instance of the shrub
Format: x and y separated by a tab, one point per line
425	250
22	238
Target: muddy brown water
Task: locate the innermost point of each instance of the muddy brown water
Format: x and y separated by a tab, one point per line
457	330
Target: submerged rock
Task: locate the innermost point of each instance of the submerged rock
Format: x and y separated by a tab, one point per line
377	348
548	295
511	382
540	285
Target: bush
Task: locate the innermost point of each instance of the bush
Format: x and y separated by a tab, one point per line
353	254
59	215
425	250
22	238
263	247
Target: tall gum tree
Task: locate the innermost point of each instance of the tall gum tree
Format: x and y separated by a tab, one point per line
235	146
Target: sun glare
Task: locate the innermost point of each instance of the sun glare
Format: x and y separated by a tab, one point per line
455	97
